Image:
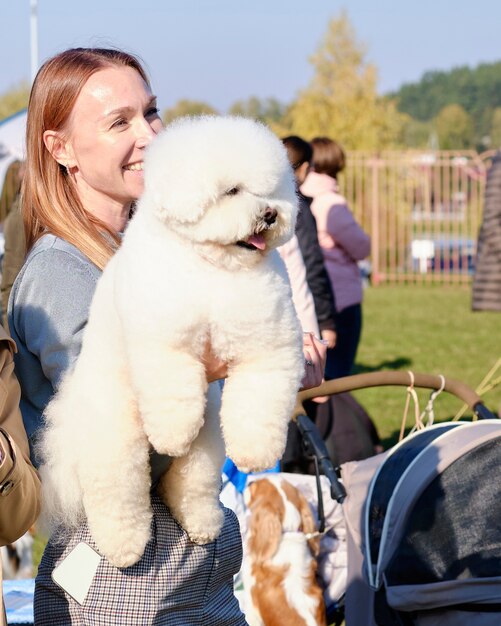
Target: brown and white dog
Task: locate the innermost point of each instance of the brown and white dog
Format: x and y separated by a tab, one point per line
279	565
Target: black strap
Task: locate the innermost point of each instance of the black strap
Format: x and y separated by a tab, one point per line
320	498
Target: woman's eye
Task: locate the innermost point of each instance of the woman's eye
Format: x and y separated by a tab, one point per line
118	123
233	191
152	111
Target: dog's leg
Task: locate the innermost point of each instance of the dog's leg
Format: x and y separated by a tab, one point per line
190	488
171	388
258	401
115	474
120	520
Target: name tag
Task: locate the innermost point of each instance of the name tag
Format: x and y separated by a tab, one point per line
76	572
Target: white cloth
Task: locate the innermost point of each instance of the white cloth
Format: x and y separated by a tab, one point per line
301	294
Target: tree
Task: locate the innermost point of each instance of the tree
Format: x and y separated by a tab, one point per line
14	100
341	100
268	110
416	134
477	90
187	107
495	133
454	128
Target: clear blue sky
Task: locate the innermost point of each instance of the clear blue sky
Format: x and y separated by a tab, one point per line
220	51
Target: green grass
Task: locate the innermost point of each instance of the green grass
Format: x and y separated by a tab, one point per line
428	329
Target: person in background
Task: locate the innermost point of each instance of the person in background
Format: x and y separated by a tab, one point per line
13	230
10	188
343	243
301	293
20	489
300	154
486	287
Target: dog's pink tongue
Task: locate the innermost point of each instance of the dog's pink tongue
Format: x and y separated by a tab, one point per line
258	241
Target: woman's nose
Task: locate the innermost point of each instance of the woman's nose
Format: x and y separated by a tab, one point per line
145	133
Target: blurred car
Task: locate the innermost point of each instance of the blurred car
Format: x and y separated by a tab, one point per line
443	254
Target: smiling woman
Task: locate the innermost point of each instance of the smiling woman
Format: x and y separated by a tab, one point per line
91	116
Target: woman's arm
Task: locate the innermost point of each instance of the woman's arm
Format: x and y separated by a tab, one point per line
19	481
49	309
345	231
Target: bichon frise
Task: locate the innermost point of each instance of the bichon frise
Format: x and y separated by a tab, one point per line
197	264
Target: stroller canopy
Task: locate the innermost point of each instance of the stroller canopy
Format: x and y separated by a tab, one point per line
433	520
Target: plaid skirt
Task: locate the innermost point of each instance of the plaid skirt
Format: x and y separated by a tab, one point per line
176	582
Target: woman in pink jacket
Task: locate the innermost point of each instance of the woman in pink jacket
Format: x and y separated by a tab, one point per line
343	244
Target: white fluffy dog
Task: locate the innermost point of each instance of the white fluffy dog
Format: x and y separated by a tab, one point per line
197	264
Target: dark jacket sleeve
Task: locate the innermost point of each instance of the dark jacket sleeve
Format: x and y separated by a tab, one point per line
316	274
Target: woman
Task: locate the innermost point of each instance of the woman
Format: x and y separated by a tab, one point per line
343	243
300	154
90	117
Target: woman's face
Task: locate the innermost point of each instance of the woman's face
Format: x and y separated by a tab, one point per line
113	120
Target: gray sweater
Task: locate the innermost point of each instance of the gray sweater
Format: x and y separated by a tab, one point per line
48	309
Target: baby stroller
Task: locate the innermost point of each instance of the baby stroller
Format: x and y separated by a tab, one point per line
423	520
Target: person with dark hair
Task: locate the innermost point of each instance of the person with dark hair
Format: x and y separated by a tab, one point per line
300	153
343	243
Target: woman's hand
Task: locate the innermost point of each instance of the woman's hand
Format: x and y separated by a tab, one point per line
315	354
330	337
215	369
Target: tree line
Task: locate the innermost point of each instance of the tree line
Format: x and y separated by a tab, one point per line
449	110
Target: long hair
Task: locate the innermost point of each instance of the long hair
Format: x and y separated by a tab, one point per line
50	203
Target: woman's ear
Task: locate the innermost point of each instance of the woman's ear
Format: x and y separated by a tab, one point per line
59	148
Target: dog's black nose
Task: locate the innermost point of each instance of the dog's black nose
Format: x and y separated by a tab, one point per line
270	215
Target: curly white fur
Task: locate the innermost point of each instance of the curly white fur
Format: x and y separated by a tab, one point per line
186	273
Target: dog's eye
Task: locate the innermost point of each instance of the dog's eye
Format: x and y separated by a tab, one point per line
233	191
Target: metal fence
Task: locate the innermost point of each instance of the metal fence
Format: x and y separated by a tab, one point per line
422	209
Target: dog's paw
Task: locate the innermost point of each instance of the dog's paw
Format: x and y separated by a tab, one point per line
203	538
173	446
122	545
257	461
205	526
175	442
126	556
207	533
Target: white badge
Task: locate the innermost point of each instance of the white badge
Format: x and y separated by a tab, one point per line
75	573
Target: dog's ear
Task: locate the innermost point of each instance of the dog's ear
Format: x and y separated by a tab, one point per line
267	513
170	200
308	523
265	532
175	188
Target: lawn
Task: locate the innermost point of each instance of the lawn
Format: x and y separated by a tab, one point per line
428	329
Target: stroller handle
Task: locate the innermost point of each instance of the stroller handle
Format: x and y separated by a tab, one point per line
403	379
